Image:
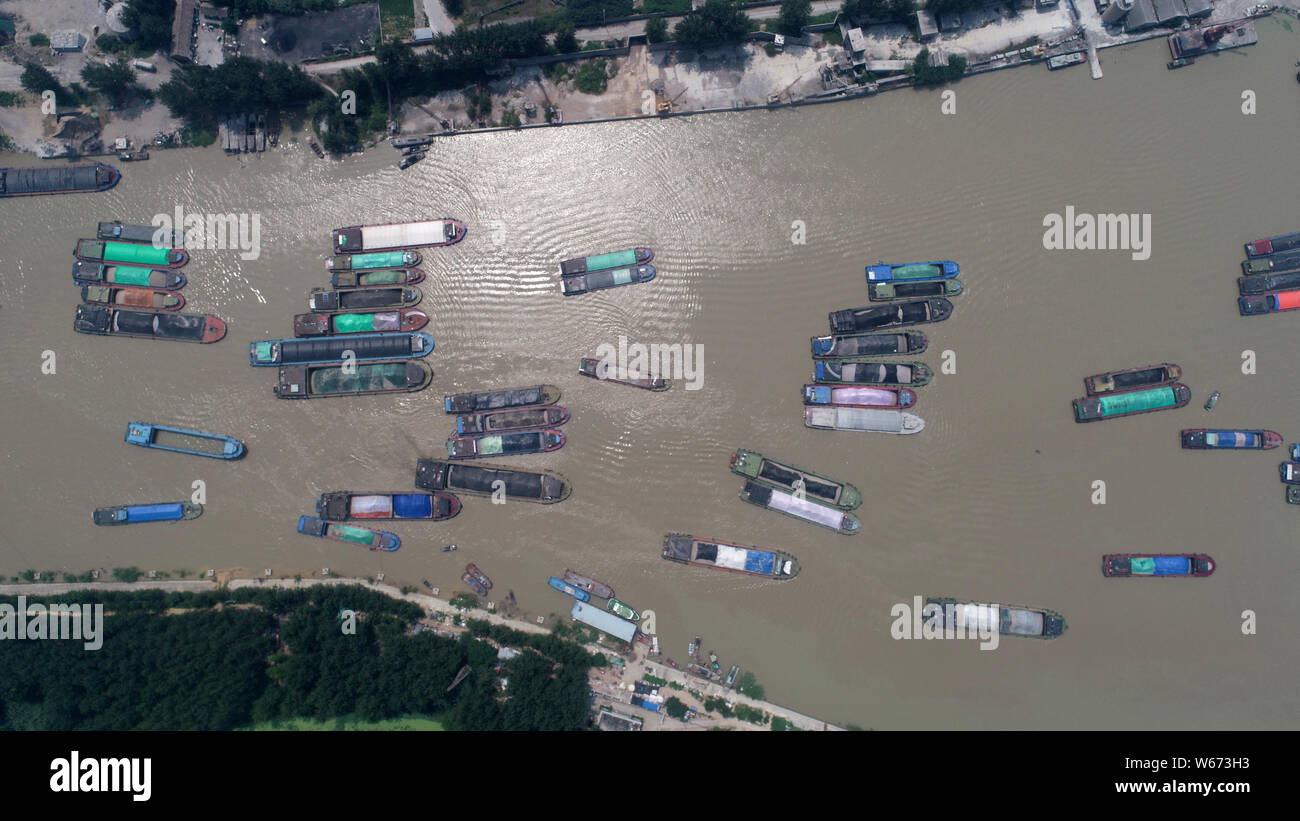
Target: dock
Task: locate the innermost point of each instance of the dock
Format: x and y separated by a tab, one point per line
1207	40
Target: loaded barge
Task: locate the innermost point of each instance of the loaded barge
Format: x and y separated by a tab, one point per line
568	589
597	369
1273	245
542	486
495	400
116	230
1159	565
1289	261
505	444
135	514
542	416
856	320
1187	45
372	262
915	374
342	505
600	280
1202	439
974	618
848	347
182	440
377	279
349	534
801	508
734	558
1132	378
397	236
407	319
90	273
1131	403
102	321
858	397
318	381
1252	285
912	271
632	257
890	292
787	477
1268	303
130	253
595	588
71	179
330	302
150	299
362	347
859	419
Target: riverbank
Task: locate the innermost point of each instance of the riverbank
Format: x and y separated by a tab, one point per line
611	686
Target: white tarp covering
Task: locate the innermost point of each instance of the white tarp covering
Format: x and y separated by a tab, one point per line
405	235
862	419
732	557
805	509
976	618
361	505
1025	622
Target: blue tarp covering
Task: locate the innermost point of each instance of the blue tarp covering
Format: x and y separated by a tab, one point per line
412	506
154	513
1172	566
821	394
760	562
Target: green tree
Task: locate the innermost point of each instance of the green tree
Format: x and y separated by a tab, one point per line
455	8
566	39
795	15
36	78
593	77
37	40
675	707
656	30
748	685
115	80
109	43
715	23
153	20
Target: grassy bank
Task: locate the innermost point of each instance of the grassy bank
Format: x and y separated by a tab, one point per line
401	723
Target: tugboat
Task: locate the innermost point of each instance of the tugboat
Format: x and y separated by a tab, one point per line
1212	401
449	548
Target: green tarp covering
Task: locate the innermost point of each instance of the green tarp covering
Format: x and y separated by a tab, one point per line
385	259
917	272
365	378
1137	401
354	323
383	278
356	535
623	276
126	275
489	446
614	260
263	352
1142	566
132	252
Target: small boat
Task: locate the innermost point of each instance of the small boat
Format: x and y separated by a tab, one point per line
618	259
504	444
1159	565
894	315
118	231
598	369
315	147
912	271
410	160
135	514
690	649
859	419
464	403
541	486
796	480
130	253
397	236
890	291
1131	378
701	671
600	280
797	507
729	556
1275	263
1293	495
1202	439
358	347
1181	62
1268	303
328	302
340	506
91	273
449	548
1060	61
976	618
412	140
916	374
1212	401
592	586
859	345
182	440
732	674
373	262
64	179
317	381
858	397
671	664
1130	403
344	280
1273	245
1290	472
568	589
621	610
479	575
407	319
474	584
1295	452
156	299
540	416
349	534
1256	285
101	321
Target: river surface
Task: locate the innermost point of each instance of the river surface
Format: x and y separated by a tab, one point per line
991	502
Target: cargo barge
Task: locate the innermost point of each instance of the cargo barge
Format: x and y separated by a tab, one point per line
102	321
1131	403
1060	61
916	374
860	345
595	588
601	280
568	589
135	514
496	400
787	477
803	509
406	320
1253	285
891	292
1192	43
344	280
596	369
90	273
1290	472
1157	565
1273	245
629	258
541	486
150	299
858	419
1268	303
858	397
1278	263
1202	439
373	262
479	576
116	230
912	271
322	381
541	416
733	558
975	618
182	440
361	347
1148	376
130	253
343	505
505	444
331	302
70	179
857	320
380	540
397	236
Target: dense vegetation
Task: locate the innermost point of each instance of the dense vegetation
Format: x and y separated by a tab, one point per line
153	20
715	23
927	74
204	96
186	661
794	16
36	78
656	29
246	8
115	81
879	9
